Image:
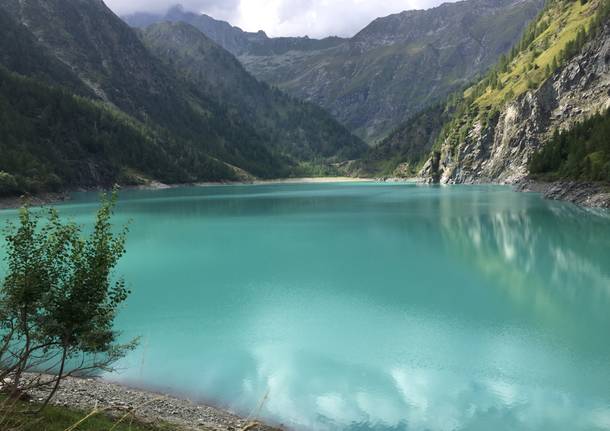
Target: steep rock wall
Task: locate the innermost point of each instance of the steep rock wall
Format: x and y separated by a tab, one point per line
499	151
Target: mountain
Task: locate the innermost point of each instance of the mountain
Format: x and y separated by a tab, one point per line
53	140
56	136
297	130
403	152
233	39
109	58
555	78
83	49
390	71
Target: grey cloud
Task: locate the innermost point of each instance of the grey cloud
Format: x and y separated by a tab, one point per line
218	7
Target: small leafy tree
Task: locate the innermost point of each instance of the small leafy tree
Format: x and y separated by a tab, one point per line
58	300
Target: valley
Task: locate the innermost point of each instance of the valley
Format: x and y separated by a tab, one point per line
210	228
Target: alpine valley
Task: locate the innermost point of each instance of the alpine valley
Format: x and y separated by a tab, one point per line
388	71
87	101
306	234
440	95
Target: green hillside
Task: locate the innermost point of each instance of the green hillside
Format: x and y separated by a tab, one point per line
108	58
53	140
555	36
181	127
298	131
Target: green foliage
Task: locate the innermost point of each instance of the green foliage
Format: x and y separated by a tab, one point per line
555	36
314	169
409	143
295	131
52	140
582	153
58	299
55	418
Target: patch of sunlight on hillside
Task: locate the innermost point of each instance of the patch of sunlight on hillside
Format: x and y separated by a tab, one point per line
563	20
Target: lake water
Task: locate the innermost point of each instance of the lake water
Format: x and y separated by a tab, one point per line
370	306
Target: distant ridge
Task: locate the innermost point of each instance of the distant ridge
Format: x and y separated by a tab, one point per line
393	69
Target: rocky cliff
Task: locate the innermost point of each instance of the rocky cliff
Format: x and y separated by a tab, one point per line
498	148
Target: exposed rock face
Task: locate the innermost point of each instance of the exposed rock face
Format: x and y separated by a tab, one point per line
500	151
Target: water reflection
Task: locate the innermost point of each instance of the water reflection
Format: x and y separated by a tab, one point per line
468	315
372	307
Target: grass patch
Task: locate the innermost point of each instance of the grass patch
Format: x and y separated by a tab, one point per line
529	68
559	33
54	418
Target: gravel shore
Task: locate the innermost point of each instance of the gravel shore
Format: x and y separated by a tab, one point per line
148	407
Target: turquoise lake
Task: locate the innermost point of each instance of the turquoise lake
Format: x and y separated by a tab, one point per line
369	306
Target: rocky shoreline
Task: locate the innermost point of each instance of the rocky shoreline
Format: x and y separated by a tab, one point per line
582	193
35	201
147	407
586	194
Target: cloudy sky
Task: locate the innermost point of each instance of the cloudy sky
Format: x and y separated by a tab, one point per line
316	18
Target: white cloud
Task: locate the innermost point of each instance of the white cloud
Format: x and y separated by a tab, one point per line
315	18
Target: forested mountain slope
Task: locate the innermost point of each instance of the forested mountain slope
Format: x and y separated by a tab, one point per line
403	153
53	141
82	47
297	130
21	53
390	71
109	58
